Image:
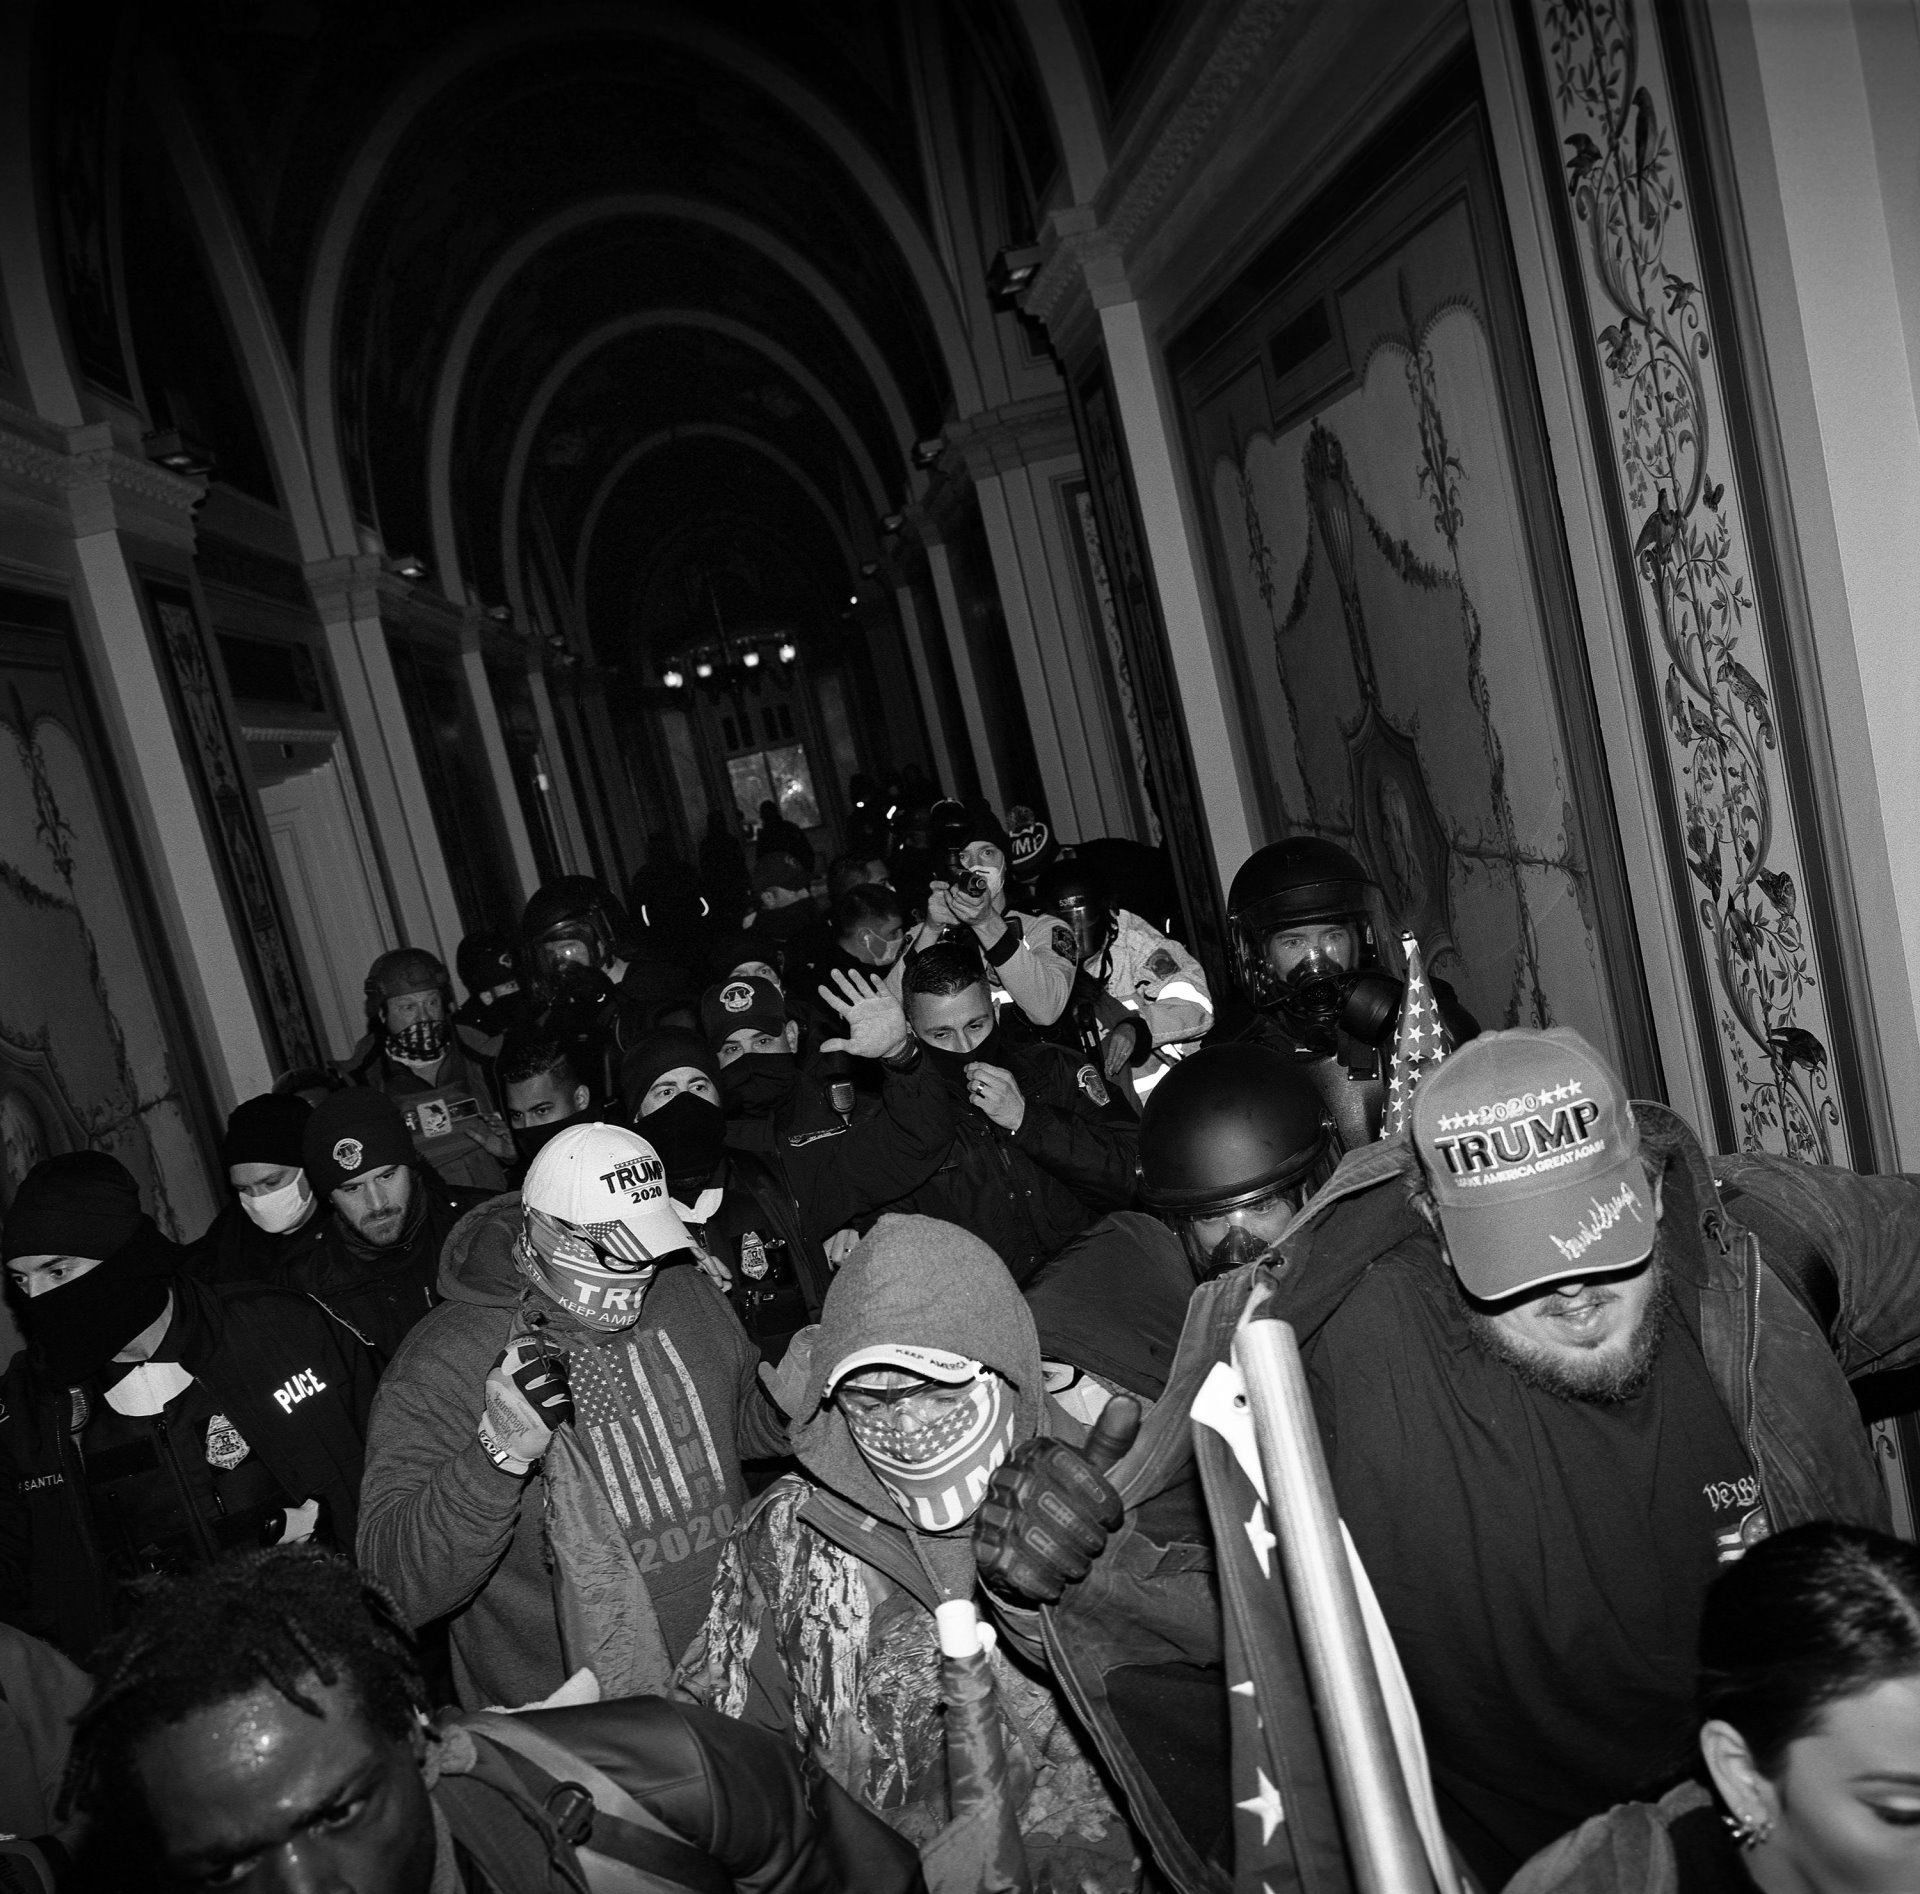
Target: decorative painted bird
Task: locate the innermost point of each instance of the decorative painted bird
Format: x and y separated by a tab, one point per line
1777	885
1794	1045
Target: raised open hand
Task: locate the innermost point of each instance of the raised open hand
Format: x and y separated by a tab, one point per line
876	1027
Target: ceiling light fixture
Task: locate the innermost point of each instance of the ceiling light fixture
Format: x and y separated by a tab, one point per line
1010	272
750	657
891	523
409	566
926	452
179	452
703	668
787	651
673	677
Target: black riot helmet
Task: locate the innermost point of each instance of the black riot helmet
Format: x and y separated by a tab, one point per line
1302	882
487	961
1071	890
1232	1142
572	923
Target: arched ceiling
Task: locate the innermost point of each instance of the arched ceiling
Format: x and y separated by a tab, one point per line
649	287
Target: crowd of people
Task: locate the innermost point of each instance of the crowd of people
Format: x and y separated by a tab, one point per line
661	1337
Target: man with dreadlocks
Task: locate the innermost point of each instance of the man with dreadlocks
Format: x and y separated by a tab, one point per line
267	1719
554	1455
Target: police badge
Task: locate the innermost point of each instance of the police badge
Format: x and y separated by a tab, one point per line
226	1445
753	1256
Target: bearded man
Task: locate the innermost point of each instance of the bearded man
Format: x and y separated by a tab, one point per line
1565	1367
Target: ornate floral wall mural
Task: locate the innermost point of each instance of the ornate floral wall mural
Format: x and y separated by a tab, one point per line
1373	548
84	1056
1653	341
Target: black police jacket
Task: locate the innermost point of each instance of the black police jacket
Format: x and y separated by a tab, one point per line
233	1248
1025	1193
292	1385
839	1174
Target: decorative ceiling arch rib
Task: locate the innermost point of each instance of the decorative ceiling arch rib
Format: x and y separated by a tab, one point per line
653	444
632	205
610	333
667	438
365	174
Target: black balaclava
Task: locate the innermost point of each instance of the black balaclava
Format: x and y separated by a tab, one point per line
757	1084
85	1203
530	1140
690	1133
952	1066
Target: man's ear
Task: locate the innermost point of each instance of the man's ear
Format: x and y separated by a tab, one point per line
792	1035
582	1098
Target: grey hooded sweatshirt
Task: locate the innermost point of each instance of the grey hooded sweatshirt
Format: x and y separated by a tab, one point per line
666	1410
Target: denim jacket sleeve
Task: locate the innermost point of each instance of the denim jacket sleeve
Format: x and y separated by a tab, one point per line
1848	1245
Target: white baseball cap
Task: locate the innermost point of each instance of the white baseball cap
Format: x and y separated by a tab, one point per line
608	1184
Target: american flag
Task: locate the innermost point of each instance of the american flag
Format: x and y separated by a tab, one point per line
1420	1041
1286	1828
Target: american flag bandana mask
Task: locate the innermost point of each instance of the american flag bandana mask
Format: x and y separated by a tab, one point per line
598	1272
939	1475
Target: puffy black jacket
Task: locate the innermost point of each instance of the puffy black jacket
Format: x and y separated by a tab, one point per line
713	1804
380	1294
1025	1193
292	1386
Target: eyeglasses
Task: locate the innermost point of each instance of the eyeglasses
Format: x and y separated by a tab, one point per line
925	1402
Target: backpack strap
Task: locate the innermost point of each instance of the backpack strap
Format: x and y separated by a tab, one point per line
622	1848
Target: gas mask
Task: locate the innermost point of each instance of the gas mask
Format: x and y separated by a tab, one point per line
938	1475
277	1211
424	1040
1092	928
593	1284
1236	1250
1316	986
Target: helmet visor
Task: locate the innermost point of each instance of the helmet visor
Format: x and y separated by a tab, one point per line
1227	1236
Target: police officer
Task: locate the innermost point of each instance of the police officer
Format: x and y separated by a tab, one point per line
1231	1145
154	1422
274	1217
489	967
593	987
1305	918
435	1070
1140	1001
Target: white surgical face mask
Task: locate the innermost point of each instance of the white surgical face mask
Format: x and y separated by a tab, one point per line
278	1210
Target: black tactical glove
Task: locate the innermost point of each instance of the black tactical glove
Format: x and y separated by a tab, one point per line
1049	1510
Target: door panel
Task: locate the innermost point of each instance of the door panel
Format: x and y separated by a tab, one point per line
337	919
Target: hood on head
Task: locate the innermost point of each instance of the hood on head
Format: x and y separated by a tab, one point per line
932	1284
476	1260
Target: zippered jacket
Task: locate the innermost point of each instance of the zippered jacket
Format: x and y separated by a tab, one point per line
291	1382
665	1414
1806	1275
1026	1193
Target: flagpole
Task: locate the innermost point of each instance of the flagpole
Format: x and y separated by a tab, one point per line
1388	1856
